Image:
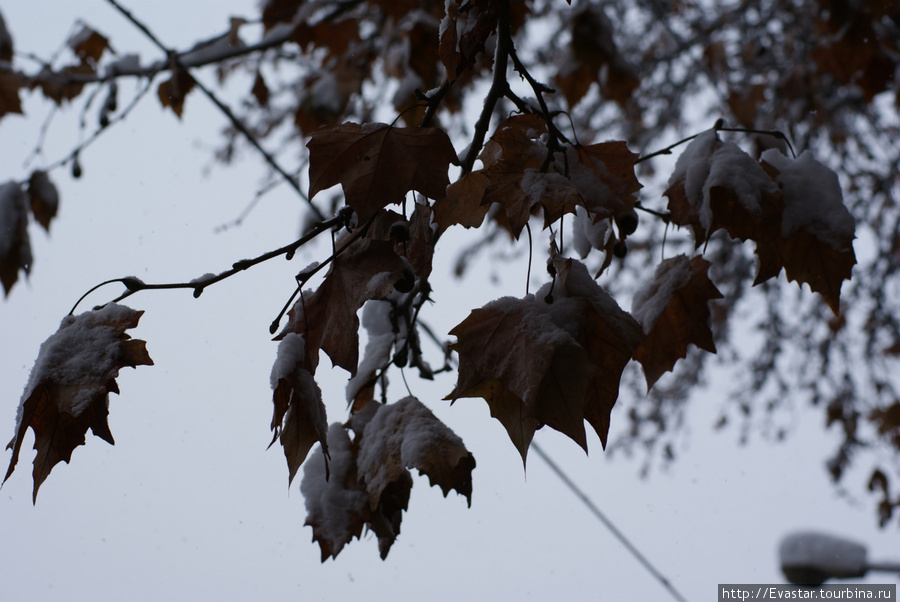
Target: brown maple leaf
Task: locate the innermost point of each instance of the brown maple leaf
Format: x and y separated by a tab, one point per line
68	390
15	246
814	243
367	269
462	205
299	419
609	335
674	311
604	175
405	435
10	83
554	358
377	164
715	186
44	198
88	45
515	147
173	91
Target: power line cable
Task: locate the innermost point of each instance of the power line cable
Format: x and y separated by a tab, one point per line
606	522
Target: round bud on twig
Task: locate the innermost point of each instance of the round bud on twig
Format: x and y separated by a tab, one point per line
627	222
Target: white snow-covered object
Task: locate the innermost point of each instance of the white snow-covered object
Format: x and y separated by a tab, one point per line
809	558
812	199
651	301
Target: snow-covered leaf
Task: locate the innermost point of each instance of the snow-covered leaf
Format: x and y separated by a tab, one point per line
68	390
404	435
336	507
673	309
814	244
299	418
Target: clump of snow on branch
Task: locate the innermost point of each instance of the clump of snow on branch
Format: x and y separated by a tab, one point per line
128	63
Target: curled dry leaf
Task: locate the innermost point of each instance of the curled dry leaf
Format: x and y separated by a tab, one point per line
44	198
15	246
68	390
88	45
173	91
299	418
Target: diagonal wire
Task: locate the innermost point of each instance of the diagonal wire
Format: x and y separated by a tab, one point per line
606	522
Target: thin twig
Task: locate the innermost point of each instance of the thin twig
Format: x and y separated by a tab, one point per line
306	275
499	85
718	128
135	285
434	101
42	137
71	156
237	123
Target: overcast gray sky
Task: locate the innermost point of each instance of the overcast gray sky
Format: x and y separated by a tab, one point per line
189	504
